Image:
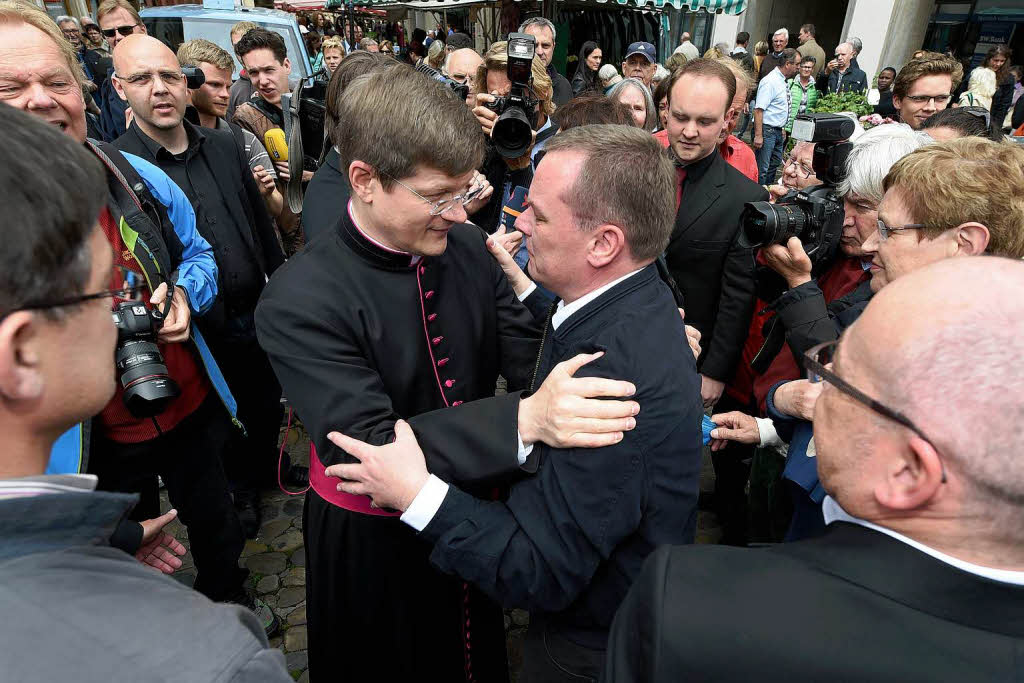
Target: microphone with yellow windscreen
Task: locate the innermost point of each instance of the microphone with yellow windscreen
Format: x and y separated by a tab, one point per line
276	144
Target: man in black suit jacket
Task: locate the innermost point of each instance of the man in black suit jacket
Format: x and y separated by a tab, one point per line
568	541
714	273
920	575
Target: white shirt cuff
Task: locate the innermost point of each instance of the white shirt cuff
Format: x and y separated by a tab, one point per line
529	290
766	428
426	504
524	451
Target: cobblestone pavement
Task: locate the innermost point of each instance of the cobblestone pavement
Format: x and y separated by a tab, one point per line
276	561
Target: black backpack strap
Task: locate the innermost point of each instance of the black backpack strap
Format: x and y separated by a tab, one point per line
136	204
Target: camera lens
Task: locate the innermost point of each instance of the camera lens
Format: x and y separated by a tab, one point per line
148	389
512	133
766	223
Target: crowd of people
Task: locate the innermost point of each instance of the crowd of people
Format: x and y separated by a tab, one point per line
603	274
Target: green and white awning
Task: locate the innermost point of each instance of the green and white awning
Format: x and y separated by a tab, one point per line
712	6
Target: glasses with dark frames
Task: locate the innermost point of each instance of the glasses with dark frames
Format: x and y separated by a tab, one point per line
123	30
815	360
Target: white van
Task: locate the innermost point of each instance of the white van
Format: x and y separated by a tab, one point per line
175	24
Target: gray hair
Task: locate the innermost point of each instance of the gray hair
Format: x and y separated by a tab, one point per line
723	48
856	43
539	21
64	19
660	74
872	156
784	31
651	122
640	200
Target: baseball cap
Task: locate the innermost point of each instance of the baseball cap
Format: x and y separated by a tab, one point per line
641	48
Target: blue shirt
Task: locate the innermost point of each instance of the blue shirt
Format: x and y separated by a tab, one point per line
773	99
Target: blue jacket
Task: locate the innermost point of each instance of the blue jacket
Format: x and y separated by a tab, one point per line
197	275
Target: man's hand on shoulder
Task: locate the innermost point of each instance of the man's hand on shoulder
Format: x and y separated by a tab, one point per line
390	475
566	411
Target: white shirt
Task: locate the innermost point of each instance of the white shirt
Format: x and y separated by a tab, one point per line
833	512
428	501
539	147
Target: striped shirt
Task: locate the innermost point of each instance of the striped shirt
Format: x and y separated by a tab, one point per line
43	484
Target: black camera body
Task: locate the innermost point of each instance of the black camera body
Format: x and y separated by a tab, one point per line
461	90
148	389
512	134
814	214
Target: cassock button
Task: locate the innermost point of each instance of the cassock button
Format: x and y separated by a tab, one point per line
456	403
436	340
432	317
423	269
449	383
429	294
443	362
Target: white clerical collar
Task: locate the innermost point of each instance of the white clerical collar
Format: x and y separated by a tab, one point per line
413	258
833	512
563	311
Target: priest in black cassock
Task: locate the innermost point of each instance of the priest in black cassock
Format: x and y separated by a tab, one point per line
402	314
568	542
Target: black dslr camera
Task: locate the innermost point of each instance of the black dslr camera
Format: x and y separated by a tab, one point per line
461	90
148	389
814	214
512	134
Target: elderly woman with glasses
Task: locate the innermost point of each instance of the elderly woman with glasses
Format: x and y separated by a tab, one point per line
814	308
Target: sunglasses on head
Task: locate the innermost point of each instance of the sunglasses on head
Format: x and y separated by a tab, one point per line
123	30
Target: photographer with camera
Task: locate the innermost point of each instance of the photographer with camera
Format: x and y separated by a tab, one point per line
168	414
514	109
210	167
461	66
824	293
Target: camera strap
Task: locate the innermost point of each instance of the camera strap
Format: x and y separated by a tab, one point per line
133	203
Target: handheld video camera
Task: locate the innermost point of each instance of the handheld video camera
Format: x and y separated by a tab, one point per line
814	214
512	134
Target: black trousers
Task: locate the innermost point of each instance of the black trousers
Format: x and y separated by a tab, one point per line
549	657
251	458
732	470
188	458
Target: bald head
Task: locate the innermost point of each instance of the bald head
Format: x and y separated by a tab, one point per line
148	76
139	47
952	365
462	64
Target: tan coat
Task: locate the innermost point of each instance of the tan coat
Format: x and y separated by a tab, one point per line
812	49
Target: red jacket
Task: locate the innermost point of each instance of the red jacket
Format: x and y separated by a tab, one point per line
838	281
